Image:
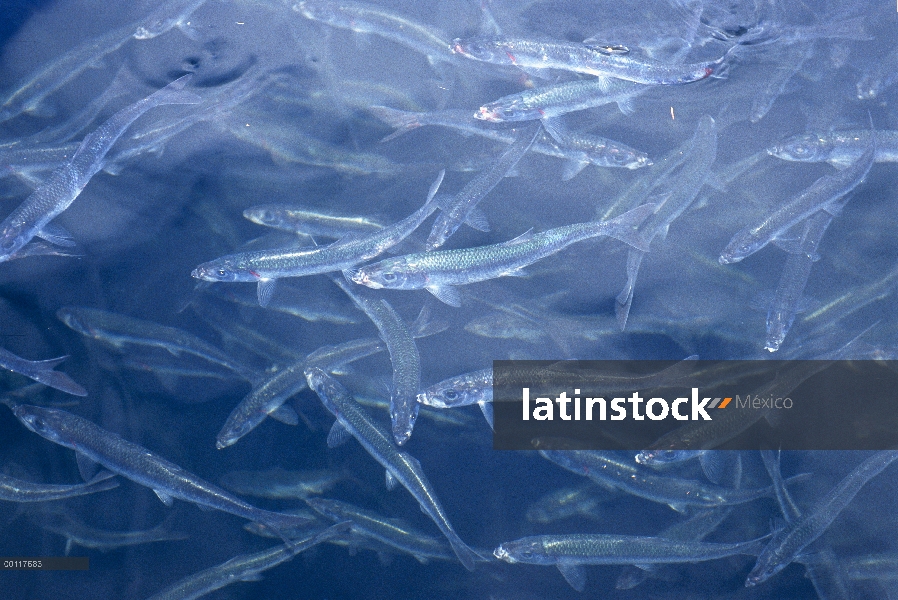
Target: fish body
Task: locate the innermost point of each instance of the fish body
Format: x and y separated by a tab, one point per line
823	194
559	99
380	445
16	490
65	183
298	220
582	58
141	466
787	543
266	265
839	148
579	149
439	271
120	330
465	201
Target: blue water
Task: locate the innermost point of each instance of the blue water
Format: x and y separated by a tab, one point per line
141	232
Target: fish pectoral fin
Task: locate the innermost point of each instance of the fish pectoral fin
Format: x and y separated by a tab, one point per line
445	294
714	466
69	542
476	219
86	467
57	235
680	508
572	168
337	435
252	577
556	128
487	409
285	414
391	482
265	291
574	575
42	110
166	499
421	559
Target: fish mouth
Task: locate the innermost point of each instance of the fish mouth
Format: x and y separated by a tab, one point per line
361	278
502	554
485	114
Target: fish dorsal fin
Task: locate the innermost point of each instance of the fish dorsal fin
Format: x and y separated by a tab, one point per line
524	237
337	436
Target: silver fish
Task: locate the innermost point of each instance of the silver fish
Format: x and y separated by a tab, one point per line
582	58
245	567
787	543
266	266
404	357
401	466
119	330
440	271
17	490
134	462
65	184
822	195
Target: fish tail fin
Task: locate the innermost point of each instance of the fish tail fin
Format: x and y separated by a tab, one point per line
467	556
625	227
402	120
45	374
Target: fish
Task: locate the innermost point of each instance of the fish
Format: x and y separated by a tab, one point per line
823	194
439	272
53	196
17	490
787	298
266	266
401	466
838	148
392	532
370	18
169	481
585	59
475	387
278	484
570	552
41	371
404	357
120	330
568	502
77	533
29	95
578	150
681	193
558	99
462	207
678	493
298	220
266	399
245	567
787	543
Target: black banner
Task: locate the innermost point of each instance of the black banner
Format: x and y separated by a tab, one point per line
695	405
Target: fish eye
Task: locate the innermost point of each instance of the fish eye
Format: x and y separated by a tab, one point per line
619	158
450	394
388	276
222	272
